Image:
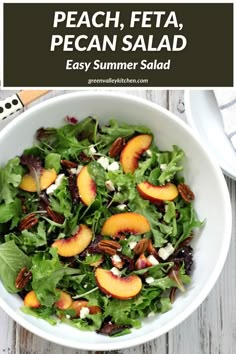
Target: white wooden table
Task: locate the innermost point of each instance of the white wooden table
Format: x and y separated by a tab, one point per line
211	329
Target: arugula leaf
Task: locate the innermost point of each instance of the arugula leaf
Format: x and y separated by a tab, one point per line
186	222
120	311
47	271
170	218
159	230
165	304
144	166
70	140
10	178
11	211
60	200
126	250
154	175
124	184
87	129
172	164
53	160
90	259
114	130
90	323
153	270
12	260
42	312
97	173
29	241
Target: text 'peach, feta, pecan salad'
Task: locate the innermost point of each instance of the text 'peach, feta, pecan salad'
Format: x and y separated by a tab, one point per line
95	226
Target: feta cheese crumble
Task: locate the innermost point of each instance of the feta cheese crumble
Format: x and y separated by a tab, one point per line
104	162
114	166
73	170
152	260
109	185
151	314
163	166
121	206
116	258
76	171
149	153
54	186
149	280
92	150
165	252
115	271
84	312
132	244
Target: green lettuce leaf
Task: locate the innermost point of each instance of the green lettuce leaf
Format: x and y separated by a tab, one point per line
10	178
12	211
12	260
60	200
28	241
90	323
47	271
115	130
42	312
53	160
120	312
172	160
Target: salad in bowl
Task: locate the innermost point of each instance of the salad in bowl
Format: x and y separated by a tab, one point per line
96	224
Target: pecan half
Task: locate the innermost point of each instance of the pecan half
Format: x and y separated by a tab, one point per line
84	158
185	192
68	164
72	184
28	222
23	278
116	147
108	246
141	246
152	250
56	217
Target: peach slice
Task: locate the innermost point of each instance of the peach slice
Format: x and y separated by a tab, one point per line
79	304
118	224
157	193
86	186
71	246
47	177
31	300
64	301
119	288
133	150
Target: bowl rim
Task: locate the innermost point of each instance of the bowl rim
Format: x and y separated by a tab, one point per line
192	124
142	338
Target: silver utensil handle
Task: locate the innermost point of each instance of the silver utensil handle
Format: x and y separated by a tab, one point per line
9	106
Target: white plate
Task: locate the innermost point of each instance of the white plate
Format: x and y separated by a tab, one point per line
204	117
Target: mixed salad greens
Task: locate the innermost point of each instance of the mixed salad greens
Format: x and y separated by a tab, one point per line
95	226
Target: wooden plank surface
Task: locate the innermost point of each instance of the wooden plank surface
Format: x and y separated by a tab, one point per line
211	329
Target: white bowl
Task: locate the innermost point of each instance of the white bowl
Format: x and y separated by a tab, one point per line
204	116
205	178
